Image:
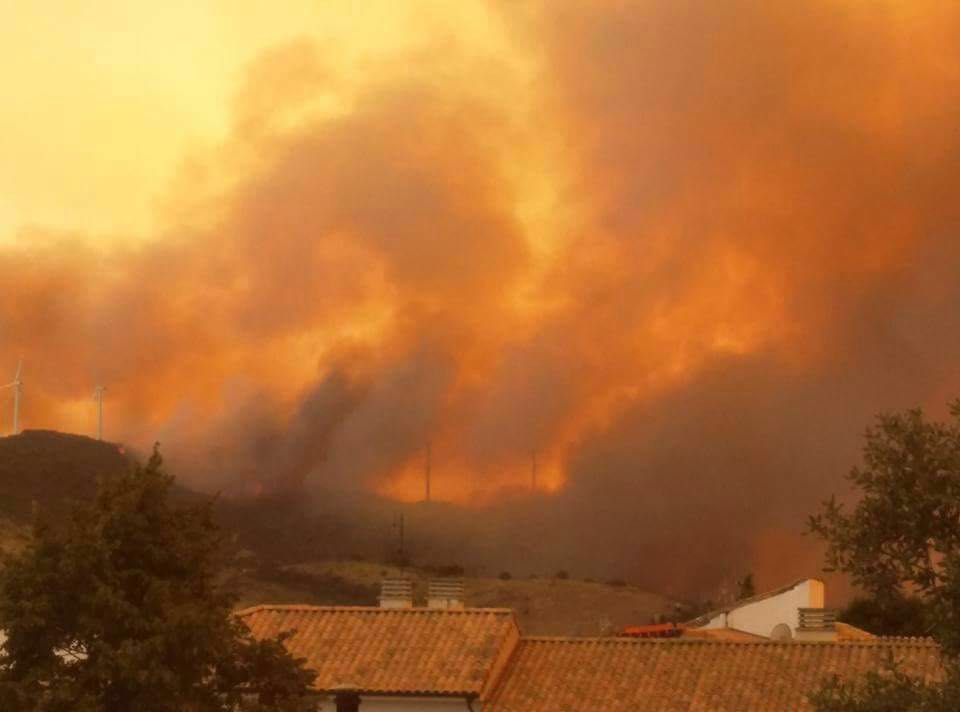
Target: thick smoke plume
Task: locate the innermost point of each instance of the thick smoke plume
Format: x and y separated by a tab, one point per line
679	251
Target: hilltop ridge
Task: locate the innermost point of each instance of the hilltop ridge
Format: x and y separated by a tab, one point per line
280	551
53	469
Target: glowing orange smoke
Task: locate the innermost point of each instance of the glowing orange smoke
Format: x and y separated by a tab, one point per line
504	245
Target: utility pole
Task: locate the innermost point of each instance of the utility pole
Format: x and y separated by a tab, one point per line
401	549
428	464
98	396
398	526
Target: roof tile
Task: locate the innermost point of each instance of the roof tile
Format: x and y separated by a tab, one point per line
690	675
402	651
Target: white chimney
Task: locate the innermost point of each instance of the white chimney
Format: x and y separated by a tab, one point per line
445	593
396	593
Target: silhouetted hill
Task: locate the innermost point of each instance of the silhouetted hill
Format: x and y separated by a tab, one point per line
52	469
56	470
287	549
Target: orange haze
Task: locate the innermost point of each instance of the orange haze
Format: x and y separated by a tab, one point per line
682	251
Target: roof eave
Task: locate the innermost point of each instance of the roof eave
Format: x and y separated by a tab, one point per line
438	694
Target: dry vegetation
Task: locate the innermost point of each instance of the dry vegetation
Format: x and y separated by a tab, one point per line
545	606
265	542
13	536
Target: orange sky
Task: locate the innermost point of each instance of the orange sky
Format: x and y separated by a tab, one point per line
130	119
675	248
104	100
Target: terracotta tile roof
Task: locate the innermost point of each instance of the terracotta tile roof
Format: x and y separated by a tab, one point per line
845	631
688	675
727	634
400	651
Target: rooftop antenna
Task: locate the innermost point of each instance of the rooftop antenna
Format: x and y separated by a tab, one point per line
428	464
17	385
401	549
98	397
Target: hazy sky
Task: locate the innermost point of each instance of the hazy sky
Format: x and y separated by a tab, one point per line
681	250
103	100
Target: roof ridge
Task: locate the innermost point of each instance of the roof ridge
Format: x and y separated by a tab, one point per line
756	598
369	609
625	640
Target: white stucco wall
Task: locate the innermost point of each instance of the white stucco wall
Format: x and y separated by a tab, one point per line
761	617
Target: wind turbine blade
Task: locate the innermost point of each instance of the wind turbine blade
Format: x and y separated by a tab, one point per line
19	370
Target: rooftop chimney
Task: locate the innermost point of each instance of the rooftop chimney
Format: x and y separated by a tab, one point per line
396	593
445	593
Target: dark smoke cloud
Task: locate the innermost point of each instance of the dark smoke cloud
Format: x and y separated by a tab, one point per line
772	173
758	251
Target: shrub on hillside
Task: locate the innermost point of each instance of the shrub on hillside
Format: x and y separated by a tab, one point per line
445	570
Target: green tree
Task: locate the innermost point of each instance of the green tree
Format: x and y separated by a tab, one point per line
888	691
902	542
895	614
119	610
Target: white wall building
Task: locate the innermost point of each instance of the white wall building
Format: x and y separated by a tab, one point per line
794	612
443	658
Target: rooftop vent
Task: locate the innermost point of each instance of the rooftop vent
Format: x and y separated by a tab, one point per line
445	593
816	624
818	618
396	593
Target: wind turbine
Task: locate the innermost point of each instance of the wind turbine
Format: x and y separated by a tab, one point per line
17	386
98	397
427	467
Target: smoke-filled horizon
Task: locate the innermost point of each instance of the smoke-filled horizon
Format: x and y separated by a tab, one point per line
679	252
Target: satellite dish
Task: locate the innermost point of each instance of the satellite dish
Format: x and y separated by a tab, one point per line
781	633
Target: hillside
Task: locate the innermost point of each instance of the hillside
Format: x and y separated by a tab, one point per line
279	551
13	536
544	606
52	469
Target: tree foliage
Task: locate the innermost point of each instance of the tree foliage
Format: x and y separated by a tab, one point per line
746	587
901	543
119	610
888	691
897	615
